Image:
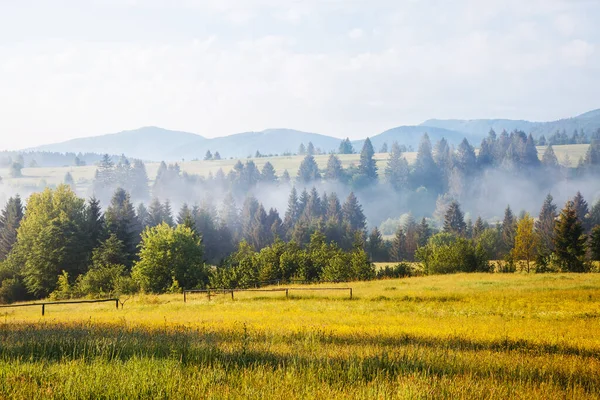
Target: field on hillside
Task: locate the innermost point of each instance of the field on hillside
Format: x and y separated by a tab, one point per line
460	336
84	175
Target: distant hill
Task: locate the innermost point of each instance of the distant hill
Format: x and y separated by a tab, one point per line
410	136
478	128
242	145
156	144
148	143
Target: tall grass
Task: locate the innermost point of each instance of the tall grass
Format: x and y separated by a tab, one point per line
461	336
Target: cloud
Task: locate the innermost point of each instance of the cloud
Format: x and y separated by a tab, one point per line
220	67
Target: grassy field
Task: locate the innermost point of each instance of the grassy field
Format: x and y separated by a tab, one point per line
460	336
83	175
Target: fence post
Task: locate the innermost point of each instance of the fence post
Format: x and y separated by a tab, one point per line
43	309
350	292
184	296
208	294
286	292
232	295
117	303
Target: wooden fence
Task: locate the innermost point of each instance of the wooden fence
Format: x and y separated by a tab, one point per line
44	304
232	291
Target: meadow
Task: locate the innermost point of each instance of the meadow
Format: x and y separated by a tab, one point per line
455	336
85	174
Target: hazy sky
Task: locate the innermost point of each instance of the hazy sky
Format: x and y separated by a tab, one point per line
339	67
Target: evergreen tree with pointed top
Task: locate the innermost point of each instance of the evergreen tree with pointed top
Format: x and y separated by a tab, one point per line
208	156
549	159
466	160
569	240
425	171
138	182
122	221
508	229
10	220
530	157
398	249
143	216
94	223
485	157
595	214
268	174
285	177
302	149
346	147
581	206
595	243
310	149
352	213
384	148
478	227
397	171
375	246
454	220
309	170
367	166
424	232
291	214
334	171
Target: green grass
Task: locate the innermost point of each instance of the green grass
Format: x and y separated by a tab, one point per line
84	175
458	336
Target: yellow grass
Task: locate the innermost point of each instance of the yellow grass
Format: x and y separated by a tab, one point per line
465	335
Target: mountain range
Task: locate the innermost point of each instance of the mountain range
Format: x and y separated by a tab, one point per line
153	143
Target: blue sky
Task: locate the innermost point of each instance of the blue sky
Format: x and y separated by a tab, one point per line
344	68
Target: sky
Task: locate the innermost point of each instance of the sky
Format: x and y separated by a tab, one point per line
345	68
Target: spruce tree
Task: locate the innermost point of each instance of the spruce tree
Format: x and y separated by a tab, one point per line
595	243
138	184
545	225
268	174
353	214
301	149
216	156
155	213
549	159
310	149
530	157
509	226
595	214
285	177
208	156
478	227
425	171
424	232
10	220
384	148
569	240
454	220
346	147
485	157
334	171
466	160
309	170
143	216
168	213
122	221
581	206
291	214
398	249
367	166
397	172
375	245
94	223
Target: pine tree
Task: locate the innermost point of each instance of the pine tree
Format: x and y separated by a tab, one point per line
581	206
121	220
216	156
310	150
367	166
302	150
478	227
595	243
485	157
313	206
530	157
10	220
424	232
397	172
346	147
309	170
184	216
454	220
384	148
466	160
595	214
549	159
375	245
353	214
69	180
398	249
208	156
138	184
334	171
569	241
508	229
155	213
285	177
291	214
143	216
268	174
229	215
425	172
94	223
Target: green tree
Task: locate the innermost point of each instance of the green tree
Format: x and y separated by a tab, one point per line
353	214
169	257
526	241
346	147
544	226
454	220
595	243
375	245
10	220
367	166
309	170
268	174
397	172
334	171
51	239
208	156
310	149
508	229
581	206
569	240
121	220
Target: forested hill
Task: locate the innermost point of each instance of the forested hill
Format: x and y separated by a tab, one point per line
154	144
588	122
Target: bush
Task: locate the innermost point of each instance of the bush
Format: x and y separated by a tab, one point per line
446	253
101	280
11	290
401	270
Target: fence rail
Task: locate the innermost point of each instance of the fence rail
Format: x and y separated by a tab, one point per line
232	291
44	304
